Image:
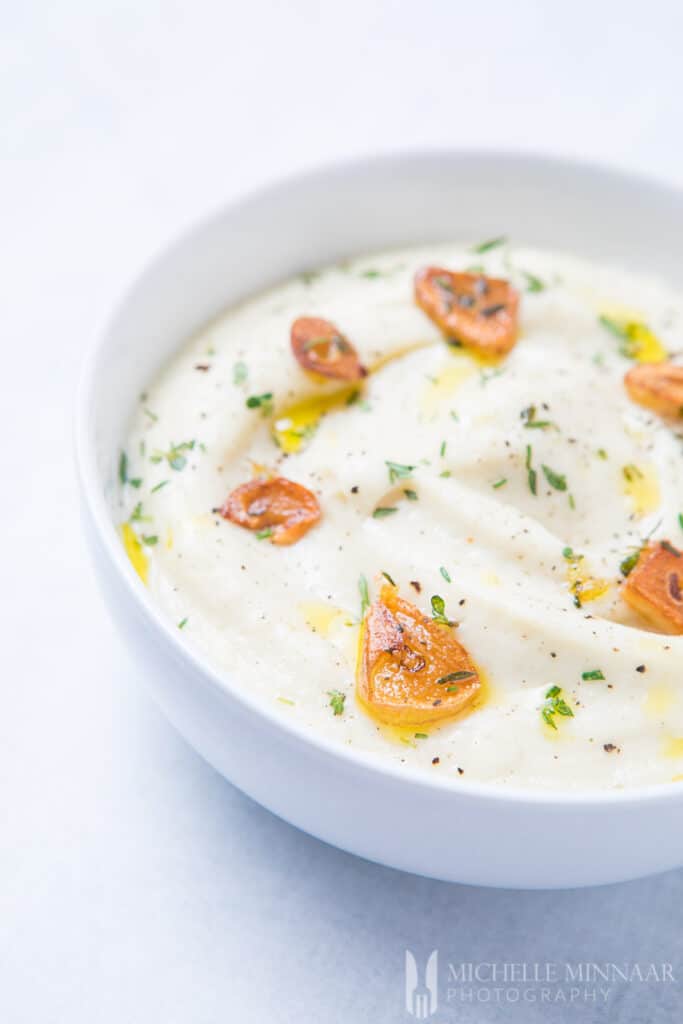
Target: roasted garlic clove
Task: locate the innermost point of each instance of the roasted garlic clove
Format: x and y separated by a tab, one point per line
279	508
320	348
474	310
657	386
411	669
654	587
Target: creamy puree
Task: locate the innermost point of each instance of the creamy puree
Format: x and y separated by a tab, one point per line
284	621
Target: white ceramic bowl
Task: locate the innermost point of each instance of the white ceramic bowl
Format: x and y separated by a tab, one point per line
465	831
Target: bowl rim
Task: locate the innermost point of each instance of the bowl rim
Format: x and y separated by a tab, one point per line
139	596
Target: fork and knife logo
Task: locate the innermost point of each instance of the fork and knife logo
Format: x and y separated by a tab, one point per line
422	999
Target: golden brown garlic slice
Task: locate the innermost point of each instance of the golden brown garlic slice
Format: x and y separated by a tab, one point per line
472	309
281	508
654	587
411	669
320	348
657	386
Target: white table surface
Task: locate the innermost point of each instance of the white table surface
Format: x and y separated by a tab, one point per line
135	884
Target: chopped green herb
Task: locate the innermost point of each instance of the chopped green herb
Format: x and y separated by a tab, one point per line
533	283
174	456
491	243
680	520
263	402
629	563
150	541
670	548
364	596
555	705
159	486
446	473
388	578
612	326
421	735
123	468
528	416
454	416
444	572
286	700
152	415
410	495
532	476
264	534
595	673
439	610
137	515
556	480
601	453
182	623
136	482
337	699
383	512
568	553
371	274
442	449
499	483
240	373
455	677
571	502
398	471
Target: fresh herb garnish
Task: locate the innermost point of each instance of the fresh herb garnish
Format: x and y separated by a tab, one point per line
388	578
491	243
137	515
528	417
371	274
439	610
680	520
182	623
410	495
337	699
628	564
601	453
239	373
158	487
455	677
398	470
383	511
174	456
263	402
364	596
421	735
670	548
152	415
556	480
533	283
554	705
123	468
444	572
500	483
442	449
593	674
532	476
264	534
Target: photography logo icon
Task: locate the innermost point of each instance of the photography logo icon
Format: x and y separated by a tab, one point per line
422	1000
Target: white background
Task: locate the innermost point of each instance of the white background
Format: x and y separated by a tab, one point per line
135	884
